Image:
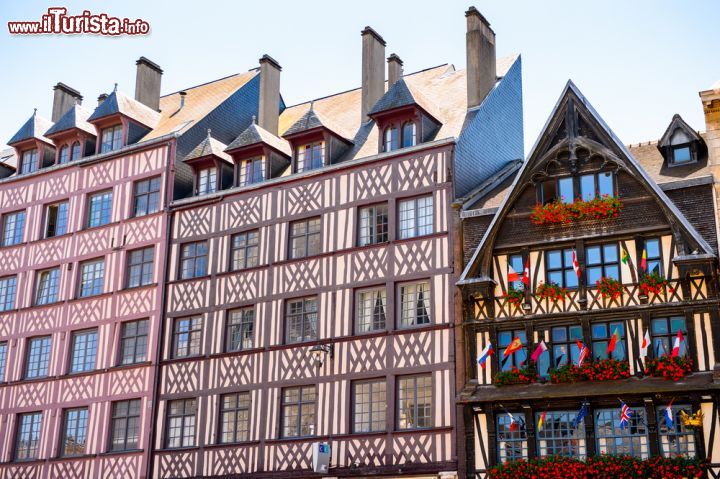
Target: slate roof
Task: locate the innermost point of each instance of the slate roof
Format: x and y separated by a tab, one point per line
652	161
118	102
400	94
209	146
35	127
75	117
255	134
311	120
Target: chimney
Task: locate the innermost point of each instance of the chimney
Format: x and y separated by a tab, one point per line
102	98
481	74
373	70
147	83
711	108
269	102
395	69
64	99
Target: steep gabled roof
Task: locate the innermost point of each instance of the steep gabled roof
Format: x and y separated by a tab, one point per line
75	117
401	94
675	123
254	134
118	102
34	128
310	121
209	147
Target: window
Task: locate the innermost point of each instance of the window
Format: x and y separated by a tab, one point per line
180	423
207	181
91	277
187	337
234	417
74	435
146	197
559	268
8	286
99	209
370	310
591	185
612	439
305	238
301	320
566	190
653	256
562	348
111	138
414	304
369	406
681	154
239	332
519	358
515	261
64	155
244	250
56	219
373	225
559	436
298	411
311	156
27	442
48	284
125	425
601	335
597	185
76	152
3	360
133	341
664	331
416	217
38	357
193	260
13	226
392	139
601	262
140	267
29	161
680	440
511	442
415	402
84	350
252	171
409	134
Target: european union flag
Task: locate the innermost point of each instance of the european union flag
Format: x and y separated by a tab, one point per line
581	414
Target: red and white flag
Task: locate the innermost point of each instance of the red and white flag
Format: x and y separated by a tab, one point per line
541	348
576	265
676	345
526	273
645	344
584	352
512	275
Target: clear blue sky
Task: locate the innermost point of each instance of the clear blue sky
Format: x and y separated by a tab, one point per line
638	62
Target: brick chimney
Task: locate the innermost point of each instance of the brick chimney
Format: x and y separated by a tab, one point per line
64	99
269	103
395	69
373	70
481	74
147	83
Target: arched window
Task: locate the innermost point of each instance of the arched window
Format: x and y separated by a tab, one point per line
409	134
75	151
64	155
391	138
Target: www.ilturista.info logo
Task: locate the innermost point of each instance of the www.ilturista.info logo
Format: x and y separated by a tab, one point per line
57	21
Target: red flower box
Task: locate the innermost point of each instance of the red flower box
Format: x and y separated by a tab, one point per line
551	291
558	212
609	288
653	283
514	296
515	376
668	367
602	370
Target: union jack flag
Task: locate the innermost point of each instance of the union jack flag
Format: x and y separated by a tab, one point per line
624	415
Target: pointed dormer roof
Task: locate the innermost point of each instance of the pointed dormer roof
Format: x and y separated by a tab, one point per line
678	123
254	134
34	128
312	120
402	94
118	102
75	118
209	147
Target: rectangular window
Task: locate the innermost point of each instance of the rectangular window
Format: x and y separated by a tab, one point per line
414	402
193	260
612	439
140	267
29	161
27	440
146	197
234	417
562	349
654	256
678	440
64	155
180	423
38	357
99	209
515	261
13	226
125	425
74	436
48	285
298	411
558	436
601	262
187	337
601	335
517	359
566	189
311	156
240	326
111	138
3	360
370	310
373	225
252	171
664	331
301	320
681	154
511	442
8	288
207	181
133	341
56	219
416	217
84	351
559	268
92	274
244	250
414	304
369	400
305	238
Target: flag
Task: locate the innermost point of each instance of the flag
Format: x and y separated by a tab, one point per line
526	273
580	415
625	256
541	421
515	345
512	274
513	423
643	261
484	355
584	352
624	415
541	348
613	342
676	345
645	344
669	417
576	265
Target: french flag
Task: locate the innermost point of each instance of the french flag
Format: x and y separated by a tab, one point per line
676	345
669	417
484	355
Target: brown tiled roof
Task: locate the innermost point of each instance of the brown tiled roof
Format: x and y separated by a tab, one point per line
8	158
118	102
652	161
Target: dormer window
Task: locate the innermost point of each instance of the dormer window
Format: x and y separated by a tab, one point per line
29	161
681	145
111	138
207	181
409	134
392	139
311	156
681	154
76	151
252	171
64	155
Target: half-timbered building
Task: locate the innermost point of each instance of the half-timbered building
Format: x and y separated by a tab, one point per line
591	248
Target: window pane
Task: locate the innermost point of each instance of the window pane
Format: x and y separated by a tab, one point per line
592	255
415	402
512	444
681	154
558	435
611	438
565	186
677	440
370	310
38	357
414	304
8	287
606	184
587	187
409	136
13	228
75	433
84	350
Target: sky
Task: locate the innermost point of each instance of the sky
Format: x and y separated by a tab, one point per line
637	62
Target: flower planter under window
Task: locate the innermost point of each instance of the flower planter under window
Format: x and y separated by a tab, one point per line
551	291
515	376
602	370
668	367
558	212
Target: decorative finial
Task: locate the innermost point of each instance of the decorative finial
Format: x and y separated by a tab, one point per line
312	104
34	111
115	89
209	130
254	120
